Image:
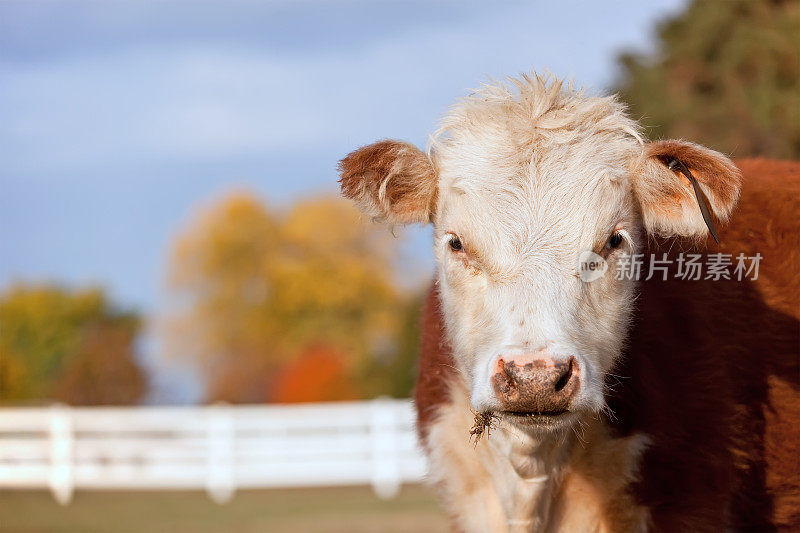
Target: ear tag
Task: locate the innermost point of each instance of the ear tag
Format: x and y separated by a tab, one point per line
676	163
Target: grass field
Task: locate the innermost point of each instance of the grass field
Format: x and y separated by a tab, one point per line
350	509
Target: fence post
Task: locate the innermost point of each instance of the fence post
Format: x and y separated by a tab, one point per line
62	482
385	453
220	483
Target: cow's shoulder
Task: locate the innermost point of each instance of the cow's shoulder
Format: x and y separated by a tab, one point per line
711	369
767	222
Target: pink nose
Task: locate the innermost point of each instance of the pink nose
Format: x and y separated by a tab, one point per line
536	382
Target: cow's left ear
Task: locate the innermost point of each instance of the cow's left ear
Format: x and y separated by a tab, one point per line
390	181
668	200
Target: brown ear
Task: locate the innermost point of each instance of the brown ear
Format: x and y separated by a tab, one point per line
668	201
390	180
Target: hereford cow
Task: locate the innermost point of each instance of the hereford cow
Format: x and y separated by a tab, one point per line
551	400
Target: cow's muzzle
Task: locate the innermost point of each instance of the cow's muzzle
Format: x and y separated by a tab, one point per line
536	385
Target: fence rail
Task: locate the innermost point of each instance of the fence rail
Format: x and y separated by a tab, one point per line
216	448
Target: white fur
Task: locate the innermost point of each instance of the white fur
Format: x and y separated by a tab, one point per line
529	180
513	481
529	176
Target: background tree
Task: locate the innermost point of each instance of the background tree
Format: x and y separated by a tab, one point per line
318	374
72	346
219	279
103	370
725	74
394	373
254	289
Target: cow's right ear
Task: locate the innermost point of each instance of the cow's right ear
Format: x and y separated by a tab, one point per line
390	181
670	203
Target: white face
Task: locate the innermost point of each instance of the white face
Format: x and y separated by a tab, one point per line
511	222
519	182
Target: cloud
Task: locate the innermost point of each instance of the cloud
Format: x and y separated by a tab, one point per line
220	100
113	123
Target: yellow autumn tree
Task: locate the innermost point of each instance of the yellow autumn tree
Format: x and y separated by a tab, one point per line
69	345
252	288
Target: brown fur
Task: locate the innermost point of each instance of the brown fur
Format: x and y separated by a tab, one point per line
668	202
390	180
710	375
716	173
435	365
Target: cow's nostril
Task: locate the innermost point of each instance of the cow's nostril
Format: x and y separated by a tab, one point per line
536	383
564	379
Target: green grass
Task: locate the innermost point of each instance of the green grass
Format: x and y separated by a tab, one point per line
347	509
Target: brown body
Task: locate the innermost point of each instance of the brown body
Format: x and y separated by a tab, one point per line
710	375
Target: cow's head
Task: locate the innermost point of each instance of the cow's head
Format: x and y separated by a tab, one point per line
518	183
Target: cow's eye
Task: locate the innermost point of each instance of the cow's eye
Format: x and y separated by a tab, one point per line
615	240
455	244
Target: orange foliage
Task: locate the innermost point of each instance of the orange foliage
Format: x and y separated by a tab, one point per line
252	288
318	375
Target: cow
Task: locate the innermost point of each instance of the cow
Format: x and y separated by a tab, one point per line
550	400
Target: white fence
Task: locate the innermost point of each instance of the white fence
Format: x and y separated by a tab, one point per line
216	448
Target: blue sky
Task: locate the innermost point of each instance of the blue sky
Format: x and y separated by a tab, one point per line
116	118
